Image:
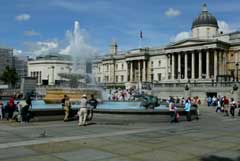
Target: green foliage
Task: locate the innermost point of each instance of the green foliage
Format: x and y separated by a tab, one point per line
9	76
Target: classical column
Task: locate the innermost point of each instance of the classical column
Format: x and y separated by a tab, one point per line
38	78
215	65
144	70
193	65
173	67
167	68
207	64
186	65
131	71
200	65
179	66
225	62
53	81
139	71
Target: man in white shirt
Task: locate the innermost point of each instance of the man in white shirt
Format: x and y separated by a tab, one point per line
82	113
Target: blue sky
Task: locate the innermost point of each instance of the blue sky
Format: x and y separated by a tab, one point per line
30	25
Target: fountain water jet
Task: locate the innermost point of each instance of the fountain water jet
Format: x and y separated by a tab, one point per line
82	54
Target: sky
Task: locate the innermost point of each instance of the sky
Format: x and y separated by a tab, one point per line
33	27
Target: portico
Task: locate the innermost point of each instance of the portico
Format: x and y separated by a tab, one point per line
196	60
137	70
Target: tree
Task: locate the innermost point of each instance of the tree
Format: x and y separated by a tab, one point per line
10	76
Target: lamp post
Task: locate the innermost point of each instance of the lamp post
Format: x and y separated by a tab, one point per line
237	64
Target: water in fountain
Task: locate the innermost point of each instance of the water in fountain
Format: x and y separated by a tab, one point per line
82	53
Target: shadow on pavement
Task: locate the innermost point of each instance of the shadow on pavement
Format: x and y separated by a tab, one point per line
217	158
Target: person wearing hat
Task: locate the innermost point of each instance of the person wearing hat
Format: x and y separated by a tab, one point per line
82	113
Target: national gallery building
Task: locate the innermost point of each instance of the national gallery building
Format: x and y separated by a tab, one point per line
208	56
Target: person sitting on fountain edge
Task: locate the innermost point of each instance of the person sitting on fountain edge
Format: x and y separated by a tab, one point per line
93	105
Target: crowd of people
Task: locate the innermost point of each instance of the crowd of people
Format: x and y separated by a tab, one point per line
16	110
122	95
187	103
20	112
224	105
85	111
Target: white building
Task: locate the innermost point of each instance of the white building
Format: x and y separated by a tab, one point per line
207	56
46	69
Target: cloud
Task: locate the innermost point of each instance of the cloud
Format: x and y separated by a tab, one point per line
23	17
172	12
31	33
181	36
17	52
76	45
78	6
224	27
42	47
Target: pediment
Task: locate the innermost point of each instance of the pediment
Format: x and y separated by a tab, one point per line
189	42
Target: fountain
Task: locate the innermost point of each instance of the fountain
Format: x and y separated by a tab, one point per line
77	77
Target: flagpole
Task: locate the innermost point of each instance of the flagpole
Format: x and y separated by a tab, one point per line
140	39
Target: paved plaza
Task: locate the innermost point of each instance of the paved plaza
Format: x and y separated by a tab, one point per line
124	138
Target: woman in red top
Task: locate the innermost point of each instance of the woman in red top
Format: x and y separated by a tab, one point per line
226	103
11	107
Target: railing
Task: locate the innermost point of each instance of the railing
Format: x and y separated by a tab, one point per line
196	84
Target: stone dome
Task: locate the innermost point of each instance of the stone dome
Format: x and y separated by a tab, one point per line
205	19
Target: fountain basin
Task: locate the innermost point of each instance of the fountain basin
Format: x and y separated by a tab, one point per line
55	95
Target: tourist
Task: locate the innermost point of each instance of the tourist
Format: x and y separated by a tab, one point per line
16	113
209	100
218	105
225	105
11	107
82	113
1	108
63	100
187	109
233	106
93	105
222	104
173	111
196	104
24	111
67	105
214	101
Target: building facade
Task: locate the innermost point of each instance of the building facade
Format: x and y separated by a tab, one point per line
56	69
6	58
209	55
46	69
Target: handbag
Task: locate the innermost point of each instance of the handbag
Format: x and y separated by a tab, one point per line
177	115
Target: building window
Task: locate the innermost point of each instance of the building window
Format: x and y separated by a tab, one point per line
99	69
107	67
106	78
159	63
152	77
116	78
122	66
152	64
99	79
122	78
159	76
208	29
116	66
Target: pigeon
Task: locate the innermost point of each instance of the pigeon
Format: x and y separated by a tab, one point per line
43	134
